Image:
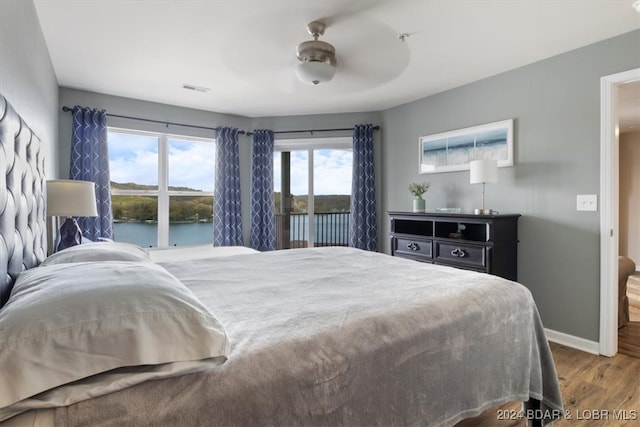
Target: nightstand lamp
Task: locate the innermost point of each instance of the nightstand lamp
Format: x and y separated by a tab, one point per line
481	172
70	198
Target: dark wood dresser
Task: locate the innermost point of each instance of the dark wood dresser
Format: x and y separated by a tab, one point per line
485	243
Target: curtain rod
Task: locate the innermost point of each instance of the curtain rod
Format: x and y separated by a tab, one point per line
311	131
67	109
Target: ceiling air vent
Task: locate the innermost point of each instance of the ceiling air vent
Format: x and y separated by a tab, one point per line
195	88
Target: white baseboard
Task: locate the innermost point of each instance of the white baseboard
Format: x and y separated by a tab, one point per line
578	343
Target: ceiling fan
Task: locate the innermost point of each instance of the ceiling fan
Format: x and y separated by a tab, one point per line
367	53
317	58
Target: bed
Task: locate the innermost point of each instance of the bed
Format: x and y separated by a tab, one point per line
226	337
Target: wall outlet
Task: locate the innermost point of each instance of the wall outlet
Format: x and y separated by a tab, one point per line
587	202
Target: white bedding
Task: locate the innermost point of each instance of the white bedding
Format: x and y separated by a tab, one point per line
33	418
367	339
72	331
187	253
338	336
76	257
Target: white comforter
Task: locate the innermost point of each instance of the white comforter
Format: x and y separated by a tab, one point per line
338	336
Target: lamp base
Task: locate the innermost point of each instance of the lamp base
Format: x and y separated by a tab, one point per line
483	212
70	234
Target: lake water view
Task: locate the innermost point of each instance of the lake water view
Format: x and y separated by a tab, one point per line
330	228
146	234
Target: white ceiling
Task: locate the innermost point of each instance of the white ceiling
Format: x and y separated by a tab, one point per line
244	51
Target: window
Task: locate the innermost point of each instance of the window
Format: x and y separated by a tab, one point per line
315	176
161	188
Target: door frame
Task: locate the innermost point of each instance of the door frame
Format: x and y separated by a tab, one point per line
609	195
310	145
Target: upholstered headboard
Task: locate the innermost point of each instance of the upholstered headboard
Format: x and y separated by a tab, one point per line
23	242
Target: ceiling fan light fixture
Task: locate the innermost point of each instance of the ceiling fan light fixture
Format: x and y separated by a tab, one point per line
315	72
317	58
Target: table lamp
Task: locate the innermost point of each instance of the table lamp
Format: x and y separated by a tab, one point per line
481	172
70	198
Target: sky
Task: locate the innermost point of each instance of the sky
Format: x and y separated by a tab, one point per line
134	158
332	172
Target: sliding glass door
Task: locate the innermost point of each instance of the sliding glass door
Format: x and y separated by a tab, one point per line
312	192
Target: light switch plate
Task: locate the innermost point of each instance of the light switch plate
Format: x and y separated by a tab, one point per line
587	202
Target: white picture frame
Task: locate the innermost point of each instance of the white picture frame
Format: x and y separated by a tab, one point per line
454	150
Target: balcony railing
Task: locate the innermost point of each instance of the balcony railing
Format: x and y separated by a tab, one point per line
330	229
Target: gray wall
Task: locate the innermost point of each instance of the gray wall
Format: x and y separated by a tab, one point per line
556	107
27	79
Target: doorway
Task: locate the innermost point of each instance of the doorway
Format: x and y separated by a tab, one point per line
609	194
312	185
629	216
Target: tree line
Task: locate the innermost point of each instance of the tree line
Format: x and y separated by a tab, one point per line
200	208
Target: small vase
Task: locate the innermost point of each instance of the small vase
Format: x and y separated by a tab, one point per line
418	204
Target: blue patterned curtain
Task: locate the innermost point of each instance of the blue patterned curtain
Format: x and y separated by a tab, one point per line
263	219
90	162
363	225
227	216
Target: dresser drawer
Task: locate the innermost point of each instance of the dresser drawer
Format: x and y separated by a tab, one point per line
414	247
464	255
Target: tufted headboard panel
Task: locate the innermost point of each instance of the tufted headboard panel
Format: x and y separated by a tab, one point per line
23	242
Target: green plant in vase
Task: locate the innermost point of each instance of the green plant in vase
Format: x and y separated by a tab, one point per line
418	189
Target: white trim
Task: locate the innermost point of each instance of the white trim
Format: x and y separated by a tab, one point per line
609	196
125	192
171	136
572	341
172	193
311	207
313	143
163	187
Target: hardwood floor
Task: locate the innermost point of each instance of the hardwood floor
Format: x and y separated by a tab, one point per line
592	386
629	335
633	292
629	339
596	391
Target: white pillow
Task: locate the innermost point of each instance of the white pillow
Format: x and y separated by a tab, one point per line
70	321
98	251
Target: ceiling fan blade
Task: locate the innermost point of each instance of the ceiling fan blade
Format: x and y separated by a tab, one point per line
347	10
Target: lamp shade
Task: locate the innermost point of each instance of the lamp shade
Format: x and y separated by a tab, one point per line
481	171
315	72
71	198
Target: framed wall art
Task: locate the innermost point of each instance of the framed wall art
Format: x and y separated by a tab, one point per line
454	150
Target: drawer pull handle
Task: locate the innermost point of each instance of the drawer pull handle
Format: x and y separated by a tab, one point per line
458	252
413	246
